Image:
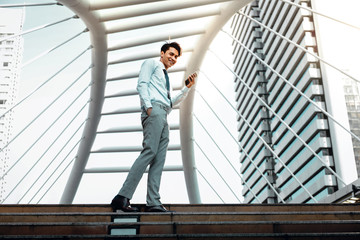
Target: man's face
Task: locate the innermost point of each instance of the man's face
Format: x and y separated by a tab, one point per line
169	58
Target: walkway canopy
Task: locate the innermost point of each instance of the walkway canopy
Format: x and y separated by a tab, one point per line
122	31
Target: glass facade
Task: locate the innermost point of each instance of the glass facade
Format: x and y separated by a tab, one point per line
11	52
277	99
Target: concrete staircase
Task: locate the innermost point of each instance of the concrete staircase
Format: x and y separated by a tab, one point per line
241	221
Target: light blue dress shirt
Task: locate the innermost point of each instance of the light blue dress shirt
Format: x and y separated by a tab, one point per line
152	86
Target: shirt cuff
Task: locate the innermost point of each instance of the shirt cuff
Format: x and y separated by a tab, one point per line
185	89
148	105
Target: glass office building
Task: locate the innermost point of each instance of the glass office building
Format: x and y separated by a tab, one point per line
288	149
11	52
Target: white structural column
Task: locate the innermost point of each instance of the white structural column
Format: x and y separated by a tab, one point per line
186	119
98	76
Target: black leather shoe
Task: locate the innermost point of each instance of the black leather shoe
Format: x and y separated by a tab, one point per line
122	203
159	208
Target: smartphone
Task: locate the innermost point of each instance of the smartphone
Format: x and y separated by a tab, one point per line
187	81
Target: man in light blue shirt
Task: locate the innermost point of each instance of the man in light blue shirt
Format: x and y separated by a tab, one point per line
154	89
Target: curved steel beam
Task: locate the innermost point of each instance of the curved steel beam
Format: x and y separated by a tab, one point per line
186	109
98	39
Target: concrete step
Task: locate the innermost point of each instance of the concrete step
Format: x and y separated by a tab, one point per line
263	207
183	207
40	208
249	216
212	221
177	216
53	228
248	227
103	228
243	236
56	217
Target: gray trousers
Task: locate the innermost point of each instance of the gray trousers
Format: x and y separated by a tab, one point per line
155	143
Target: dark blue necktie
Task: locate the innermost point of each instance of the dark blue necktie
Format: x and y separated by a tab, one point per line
168	86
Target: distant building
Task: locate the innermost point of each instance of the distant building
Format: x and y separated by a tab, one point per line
259	165
11	51
352	99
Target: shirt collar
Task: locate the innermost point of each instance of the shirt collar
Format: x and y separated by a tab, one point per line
162	65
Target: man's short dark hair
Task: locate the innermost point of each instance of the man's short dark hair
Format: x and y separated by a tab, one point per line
175	45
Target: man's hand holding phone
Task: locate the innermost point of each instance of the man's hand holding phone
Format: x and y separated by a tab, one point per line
190	80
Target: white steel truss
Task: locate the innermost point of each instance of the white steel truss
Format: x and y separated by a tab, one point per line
104	18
